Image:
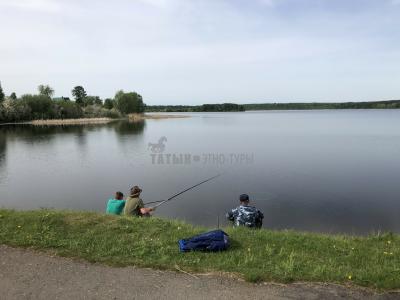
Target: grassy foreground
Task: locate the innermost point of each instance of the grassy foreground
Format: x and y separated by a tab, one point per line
282	256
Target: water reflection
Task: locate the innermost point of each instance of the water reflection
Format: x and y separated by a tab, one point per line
29	138
30	133
129	128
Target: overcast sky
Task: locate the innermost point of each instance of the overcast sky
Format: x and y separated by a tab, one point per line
203	51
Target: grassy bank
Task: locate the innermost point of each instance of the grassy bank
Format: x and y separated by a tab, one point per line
282	256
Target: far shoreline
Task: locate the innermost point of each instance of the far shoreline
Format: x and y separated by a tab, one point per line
94	121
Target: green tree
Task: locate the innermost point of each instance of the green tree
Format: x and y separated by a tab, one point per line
13	96
41	106
45	90
2	96
118	95
128	103
80	94
88	100
68	109
98	101
15	111
91	100
108	103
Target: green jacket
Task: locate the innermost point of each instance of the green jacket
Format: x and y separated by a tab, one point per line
133	205
115	207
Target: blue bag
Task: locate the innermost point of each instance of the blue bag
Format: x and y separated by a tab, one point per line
215	240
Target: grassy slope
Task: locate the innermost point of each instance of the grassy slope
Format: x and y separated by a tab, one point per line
282	256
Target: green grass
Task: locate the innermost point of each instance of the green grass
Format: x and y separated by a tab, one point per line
256	255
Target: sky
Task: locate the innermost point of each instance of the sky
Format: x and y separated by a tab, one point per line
204	51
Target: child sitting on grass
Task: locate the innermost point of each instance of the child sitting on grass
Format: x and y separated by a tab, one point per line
116	206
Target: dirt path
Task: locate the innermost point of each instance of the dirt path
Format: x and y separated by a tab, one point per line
26	274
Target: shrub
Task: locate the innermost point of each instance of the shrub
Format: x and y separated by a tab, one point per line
128	103
15	111
42	107
112	113
108	103
97	111
69	110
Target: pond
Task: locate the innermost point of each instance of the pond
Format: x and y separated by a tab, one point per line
324	170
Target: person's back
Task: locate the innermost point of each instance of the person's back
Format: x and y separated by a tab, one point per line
245	215
134	203
116	206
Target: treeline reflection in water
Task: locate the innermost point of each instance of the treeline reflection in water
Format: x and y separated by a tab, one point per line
31	134
35	134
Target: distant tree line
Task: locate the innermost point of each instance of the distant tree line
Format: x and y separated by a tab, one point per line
319	105
224	107
274	106
43	106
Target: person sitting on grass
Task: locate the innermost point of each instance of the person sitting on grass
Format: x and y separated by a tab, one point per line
134	204
245	215
116	206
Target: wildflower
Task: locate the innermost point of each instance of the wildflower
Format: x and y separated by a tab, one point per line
352	248
391	253
19	226
179	228
248	249
389	242
349	277
385	253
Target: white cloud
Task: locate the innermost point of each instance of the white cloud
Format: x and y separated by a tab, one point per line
36	5
267	2
157	3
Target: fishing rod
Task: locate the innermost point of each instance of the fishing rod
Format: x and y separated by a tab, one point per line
184	191
158	201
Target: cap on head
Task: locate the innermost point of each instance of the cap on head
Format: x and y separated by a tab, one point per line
244	198
135	190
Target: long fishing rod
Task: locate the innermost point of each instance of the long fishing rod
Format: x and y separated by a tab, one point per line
184	191
158	201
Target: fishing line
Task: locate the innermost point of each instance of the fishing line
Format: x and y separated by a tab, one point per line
180	193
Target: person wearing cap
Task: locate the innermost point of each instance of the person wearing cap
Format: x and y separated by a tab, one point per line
245	215
134	205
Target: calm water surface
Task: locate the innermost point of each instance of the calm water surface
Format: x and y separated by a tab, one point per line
325	171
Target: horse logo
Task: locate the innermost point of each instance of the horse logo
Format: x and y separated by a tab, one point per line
158	147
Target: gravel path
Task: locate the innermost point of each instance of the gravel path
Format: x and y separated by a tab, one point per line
27	274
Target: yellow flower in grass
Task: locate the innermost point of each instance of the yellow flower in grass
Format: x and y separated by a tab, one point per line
385	253
19	226
349	277
389	242
248	249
